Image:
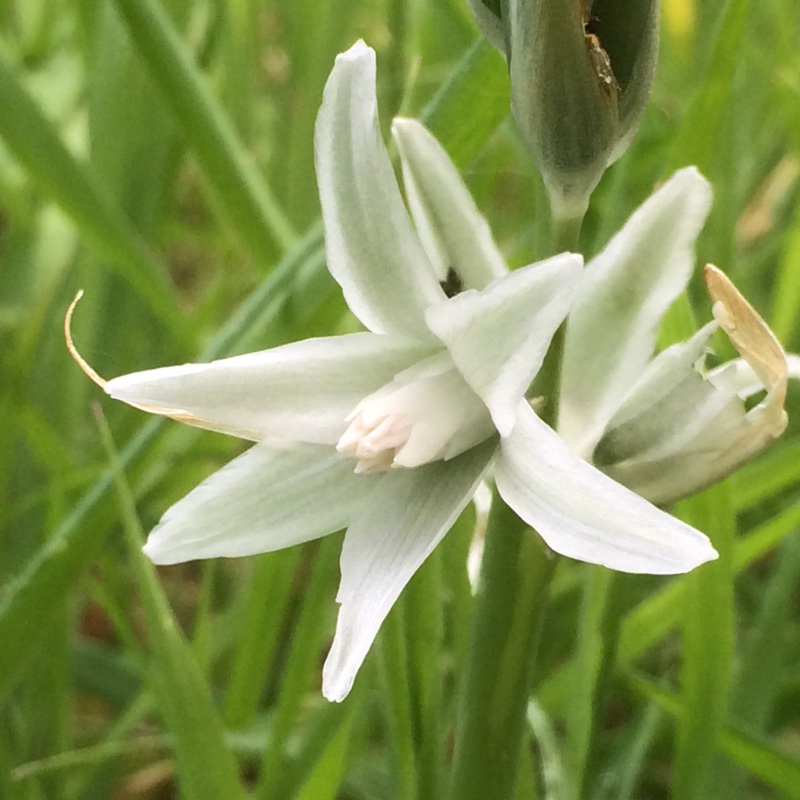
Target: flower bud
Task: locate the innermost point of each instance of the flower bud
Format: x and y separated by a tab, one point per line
581	72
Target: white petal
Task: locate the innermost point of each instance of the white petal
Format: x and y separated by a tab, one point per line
302	391
710	441
670	397
264	500
612	327
406	517
454	233
373	251
670	441
736	377
498	337
584	514
678	446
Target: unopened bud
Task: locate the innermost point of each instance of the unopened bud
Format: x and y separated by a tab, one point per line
581	72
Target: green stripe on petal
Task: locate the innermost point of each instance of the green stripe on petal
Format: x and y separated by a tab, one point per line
406	517
269	498
373	251
455	235
666	400
583	514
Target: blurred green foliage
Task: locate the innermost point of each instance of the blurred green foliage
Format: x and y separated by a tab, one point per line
158	154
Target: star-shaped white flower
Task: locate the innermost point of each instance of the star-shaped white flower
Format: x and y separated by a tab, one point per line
389	432
665	426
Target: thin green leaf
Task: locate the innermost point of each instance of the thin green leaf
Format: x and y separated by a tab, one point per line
471	103
205	765
708	646
699	134
759	758
265	604
301	667
759	679
30	602
598	632
397	705
324	779
424	634
37	146
251	208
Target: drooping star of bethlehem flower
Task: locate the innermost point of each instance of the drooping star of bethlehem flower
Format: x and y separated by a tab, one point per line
388	432
665	426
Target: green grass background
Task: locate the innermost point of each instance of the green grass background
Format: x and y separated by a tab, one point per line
158	154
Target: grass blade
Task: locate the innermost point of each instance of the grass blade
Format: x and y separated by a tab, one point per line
37	146
28	604
708	646
206	766
761	760
251	208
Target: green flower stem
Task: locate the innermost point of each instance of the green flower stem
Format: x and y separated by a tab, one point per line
565	235
515	577
509	608
566	232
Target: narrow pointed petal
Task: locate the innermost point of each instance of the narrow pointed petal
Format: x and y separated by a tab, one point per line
613	324
302	391
583	514
373	251
266	499
498	337
456	236
406	517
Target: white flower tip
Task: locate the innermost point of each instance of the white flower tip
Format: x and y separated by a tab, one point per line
151	550
357	51
335	694
337	675
161	548
694	550
403	125
705	552
691	181
73	351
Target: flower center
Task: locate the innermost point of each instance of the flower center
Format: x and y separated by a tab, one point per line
425	413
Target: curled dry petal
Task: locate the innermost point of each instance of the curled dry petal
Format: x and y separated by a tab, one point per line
758	346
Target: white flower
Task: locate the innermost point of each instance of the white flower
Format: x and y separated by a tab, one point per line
389	432
664	426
